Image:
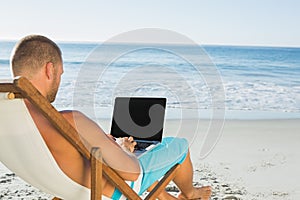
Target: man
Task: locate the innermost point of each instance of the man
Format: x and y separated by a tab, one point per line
39	59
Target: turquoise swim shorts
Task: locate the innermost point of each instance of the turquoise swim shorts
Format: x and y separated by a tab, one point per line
159	160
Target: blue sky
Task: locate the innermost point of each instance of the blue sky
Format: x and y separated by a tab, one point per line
234	22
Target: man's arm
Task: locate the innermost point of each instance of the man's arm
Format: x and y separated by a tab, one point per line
125	164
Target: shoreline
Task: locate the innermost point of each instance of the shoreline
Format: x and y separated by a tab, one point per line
105	113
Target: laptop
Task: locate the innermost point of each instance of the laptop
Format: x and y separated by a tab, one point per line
139	117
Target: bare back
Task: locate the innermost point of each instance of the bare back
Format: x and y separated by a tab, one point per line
71	162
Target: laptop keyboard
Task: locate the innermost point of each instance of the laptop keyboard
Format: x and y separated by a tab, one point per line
142	145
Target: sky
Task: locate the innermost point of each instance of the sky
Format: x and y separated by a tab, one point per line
218	22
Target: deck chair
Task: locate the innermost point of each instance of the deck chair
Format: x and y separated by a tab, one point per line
24	152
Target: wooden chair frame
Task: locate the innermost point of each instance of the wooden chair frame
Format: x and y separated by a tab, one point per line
22	88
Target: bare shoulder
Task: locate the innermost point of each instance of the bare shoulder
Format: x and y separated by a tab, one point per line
71	113
84	125
73	116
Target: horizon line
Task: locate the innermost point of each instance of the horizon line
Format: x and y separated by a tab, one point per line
167	43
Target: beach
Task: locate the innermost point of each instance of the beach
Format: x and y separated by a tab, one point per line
252	160
229	72
254	155
260	156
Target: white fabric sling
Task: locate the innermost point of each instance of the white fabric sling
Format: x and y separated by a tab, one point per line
23	151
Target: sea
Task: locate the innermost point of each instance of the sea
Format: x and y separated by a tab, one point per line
249	82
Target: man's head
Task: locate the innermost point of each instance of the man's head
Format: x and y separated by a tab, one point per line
38	59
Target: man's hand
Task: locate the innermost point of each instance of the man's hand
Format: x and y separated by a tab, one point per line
126	143
129	143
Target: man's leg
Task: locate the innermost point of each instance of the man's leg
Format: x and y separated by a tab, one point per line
157	162
163	195
184	181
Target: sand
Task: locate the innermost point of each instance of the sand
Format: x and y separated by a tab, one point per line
253	159
262	156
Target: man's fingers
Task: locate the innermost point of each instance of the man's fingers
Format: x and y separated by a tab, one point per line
130	139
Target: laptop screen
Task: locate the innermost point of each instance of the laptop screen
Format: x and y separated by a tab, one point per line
139	117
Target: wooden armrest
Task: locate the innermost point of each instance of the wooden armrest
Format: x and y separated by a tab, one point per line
163	183
96	174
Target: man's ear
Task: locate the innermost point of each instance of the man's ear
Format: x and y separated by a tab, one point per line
49	70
